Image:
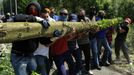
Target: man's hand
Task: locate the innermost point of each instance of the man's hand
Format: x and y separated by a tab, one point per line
57	33
121	30
45	24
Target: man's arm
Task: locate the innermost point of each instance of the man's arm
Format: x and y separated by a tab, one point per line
30	18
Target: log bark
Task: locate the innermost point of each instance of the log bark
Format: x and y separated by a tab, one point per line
13	31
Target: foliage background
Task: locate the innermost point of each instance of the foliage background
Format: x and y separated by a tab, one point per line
114	8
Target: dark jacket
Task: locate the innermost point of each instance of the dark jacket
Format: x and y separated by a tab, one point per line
26	46
122	36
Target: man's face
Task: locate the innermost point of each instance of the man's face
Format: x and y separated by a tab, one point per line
33	10
45	15
63	16
125	23
82	13
53	10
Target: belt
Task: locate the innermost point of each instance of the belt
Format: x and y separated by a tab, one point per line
20	53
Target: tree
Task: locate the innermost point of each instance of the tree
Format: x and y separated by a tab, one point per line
22	5
113	8
126	9
24	30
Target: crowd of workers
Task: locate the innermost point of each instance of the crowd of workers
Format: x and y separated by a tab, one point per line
82	52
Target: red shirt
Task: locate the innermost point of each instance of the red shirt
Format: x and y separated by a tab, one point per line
60	46
109	34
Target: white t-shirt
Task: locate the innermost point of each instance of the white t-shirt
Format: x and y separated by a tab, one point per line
42	50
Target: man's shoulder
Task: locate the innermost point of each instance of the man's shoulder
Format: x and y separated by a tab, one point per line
24	18
51	19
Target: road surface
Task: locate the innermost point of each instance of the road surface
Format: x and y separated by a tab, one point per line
106	71
103	71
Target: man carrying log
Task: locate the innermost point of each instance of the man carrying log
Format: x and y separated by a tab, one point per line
120	40
22	58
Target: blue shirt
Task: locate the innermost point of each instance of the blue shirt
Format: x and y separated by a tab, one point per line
101	33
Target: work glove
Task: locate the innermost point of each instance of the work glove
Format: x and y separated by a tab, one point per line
44	23
57	33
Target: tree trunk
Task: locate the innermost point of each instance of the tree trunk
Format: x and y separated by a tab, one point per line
13	31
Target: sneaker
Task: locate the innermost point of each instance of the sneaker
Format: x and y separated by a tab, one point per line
85	72
90	72
130	63
111	62
105	63
98	67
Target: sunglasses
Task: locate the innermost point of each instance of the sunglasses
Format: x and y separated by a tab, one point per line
64	14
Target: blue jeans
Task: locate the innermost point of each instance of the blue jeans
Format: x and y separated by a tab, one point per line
23	65
107	52
59	61
93	46
43	66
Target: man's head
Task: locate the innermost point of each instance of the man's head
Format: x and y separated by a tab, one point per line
93	11
101	14
63	14
73	18
82	12
33	9
52	10
45	13
128	20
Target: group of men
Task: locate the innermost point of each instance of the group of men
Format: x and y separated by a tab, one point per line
38	54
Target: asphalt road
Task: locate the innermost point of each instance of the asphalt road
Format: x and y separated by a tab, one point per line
106	71
103	71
